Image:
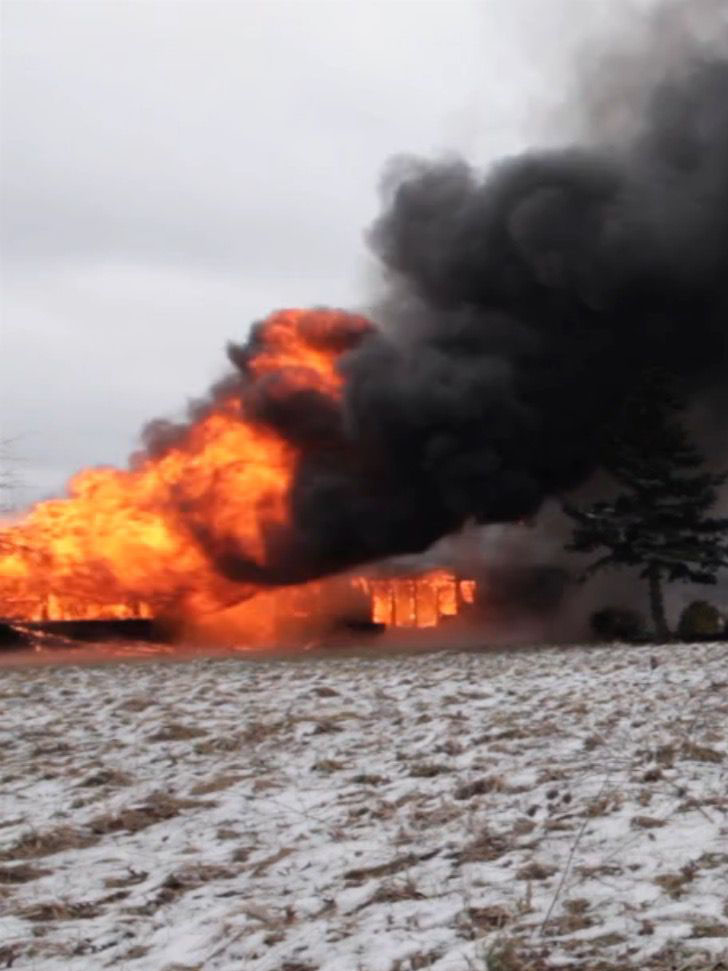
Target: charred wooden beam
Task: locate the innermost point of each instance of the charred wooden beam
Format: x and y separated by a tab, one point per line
115	629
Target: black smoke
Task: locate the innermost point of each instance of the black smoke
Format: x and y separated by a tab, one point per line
524	303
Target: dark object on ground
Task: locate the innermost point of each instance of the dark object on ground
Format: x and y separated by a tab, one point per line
701	621
617	623
12	639
129	629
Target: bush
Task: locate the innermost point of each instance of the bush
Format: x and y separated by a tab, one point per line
617	624
700	621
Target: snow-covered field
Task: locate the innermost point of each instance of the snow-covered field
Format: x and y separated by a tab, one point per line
451	811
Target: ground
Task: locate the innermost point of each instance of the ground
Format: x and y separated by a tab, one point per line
449	811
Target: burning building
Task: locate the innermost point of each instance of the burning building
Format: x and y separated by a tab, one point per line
523	306
340	605
200	531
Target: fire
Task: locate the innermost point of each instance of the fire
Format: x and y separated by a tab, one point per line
417	601
117	540
307	361
135	542
312	610
127	542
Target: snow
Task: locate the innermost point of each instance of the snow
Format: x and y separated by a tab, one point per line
355	813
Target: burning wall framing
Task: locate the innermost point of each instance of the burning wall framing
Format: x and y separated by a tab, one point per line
353	604
363	604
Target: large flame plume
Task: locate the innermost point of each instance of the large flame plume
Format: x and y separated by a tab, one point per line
137	542
128	542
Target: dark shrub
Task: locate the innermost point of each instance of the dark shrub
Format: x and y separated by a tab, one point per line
700	621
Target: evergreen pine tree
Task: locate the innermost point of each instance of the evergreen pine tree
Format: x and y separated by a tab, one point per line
658	522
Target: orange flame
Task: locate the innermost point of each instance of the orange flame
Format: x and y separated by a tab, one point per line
292	347
126	543
118	546
417	601
309	610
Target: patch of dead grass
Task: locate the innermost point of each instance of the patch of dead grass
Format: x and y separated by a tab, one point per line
599	870
107	777
260	731
158	808
6	823
182	881
484	848
328	766
536	871
506	954
676	884
361	874
479	787
391	892
489	918
133	954
261	866
216	784
220	744
56	910
569	923
325	691
369	779
428	770
135	704
646	822
422	818
701	753
22	873
603	805
130	879
9	954
712	928
58	840
176	732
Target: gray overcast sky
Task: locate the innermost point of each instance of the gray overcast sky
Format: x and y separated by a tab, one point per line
173	171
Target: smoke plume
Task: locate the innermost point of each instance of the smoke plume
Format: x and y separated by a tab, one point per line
523	303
